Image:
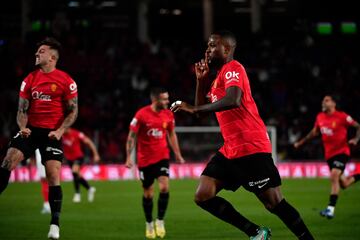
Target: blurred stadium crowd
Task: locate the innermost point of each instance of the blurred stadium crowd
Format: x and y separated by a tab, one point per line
289	74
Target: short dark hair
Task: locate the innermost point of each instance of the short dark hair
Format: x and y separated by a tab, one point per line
51	42
334	97
226	34
156	91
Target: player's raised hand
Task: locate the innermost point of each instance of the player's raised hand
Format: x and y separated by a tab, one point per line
182	106
202	69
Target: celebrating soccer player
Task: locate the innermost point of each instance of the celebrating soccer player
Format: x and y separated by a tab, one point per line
149	131
245	158
333	125
47	107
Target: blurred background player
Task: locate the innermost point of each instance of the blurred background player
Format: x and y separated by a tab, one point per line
47	107
149	131
245	158
333	126
44	184
72	141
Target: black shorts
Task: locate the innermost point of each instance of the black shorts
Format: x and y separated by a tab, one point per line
338	161
149	173
78	161
256	172
50	149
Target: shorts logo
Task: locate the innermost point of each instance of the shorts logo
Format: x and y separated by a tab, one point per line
54	151
142	175
164	169
338	164
260	184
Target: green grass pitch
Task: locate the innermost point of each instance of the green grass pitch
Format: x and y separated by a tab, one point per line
117	212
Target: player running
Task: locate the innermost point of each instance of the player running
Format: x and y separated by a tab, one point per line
333	126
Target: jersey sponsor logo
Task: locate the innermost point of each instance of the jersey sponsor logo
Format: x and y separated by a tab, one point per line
23	84
326	131
73	87
260	184
133	122
54	151
213	98
40	96
232	77
349	119
154	132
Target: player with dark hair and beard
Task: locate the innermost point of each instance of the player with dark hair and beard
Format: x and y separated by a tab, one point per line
245	158
333	124
150	129
47	107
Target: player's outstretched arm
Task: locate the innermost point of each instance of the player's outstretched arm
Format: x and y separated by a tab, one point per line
231	100
88	142
355	139
130	146
313	133
174	143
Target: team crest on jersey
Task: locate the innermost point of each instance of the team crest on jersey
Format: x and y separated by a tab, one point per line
164	125
53	87
333	124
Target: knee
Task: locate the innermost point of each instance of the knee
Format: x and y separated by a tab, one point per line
202	196
8	163
164	189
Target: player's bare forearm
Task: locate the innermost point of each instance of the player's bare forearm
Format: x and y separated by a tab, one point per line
92	147
174	143
22	117
231	100
356	139
72	113
130	143
313	133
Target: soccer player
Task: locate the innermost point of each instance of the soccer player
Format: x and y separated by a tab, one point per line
333	125
72	141
245	158
47	107
149	131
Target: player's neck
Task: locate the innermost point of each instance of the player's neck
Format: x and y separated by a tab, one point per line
154	108
330	111
47	68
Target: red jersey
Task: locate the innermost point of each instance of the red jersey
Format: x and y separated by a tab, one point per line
47	93
333	128
243	130
151	128
71	141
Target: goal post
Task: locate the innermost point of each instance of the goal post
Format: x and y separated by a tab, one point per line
209	137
